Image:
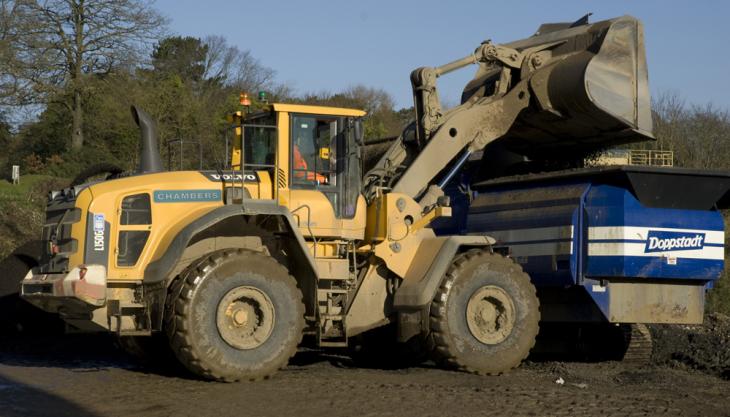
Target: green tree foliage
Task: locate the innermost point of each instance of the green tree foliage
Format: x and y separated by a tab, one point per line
6	135
6	139
718	299
47	137
189	89
196	84
182	56
53	48
188	85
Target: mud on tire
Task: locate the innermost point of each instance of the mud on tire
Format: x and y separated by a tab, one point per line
238	316
484	317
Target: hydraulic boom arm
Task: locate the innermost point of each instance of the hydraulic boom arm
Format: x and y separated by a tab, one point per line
579	85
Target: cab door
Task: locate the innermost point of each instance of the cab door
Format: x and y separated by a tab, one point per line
325	176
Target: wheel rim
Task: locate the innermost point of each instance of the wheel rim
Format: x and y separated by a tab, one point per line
490	315
245	317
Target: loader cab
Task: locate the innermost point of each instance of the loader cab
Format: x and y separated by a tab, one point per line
324	157
311	154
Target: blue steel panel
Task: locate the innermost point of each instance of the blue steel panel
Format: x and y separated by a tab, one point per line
522	213
601	295
613	206
644	267
537	225
626	239
518	218
576	258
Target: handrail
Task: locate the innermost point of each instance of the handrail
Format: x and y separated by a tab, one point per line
309	227
651	157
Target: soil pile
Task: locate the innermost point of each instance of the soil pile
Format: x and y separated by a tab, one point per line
704	347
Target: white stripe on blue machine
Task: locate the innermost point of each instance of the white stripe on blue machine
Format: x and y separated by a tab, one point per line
657	242
187	196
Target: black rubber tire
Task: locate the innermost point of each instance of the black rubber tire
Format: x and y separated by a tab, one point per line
455	346
194	335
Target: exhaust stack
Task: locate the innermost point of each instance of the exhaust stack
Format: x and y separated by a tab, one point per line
149	155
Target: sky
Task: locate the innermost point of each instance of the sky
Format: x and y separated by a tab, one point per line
329	45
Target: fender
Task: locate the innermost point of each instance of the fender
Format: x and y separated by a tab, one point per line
419	286
433	258
158	270
157	273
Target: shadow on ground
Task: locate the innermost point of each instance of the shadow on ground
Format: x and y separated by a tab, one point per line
18	399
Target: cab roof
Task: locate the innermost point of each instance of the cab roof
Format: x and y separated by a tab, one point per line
302	108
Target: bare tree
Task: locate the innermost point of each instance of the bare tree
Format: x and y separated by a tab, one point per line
12	88
669	111
698	135
56	44
235	68
370	99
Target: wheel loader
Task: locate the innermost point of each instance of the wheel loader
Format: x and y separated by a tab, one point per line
233	268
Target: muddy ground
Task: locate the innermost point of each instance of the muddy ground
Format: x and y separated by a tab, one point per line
705	348
87	376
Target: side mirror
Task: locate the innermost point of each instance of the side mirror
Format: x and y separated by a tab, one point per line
359	132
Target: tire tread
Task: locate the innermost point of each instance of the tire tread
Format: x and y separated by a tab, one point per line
180	334
445	350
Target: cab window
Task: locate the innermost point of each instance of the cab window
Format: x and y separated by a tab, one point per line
135	214
314	151
259	142
324	156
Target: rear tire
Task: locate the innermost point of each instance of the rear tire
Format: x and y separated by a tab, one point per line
485	316
239	316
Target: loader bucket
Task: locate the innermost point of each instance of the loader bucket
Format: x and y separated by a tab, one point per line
616	78
589	89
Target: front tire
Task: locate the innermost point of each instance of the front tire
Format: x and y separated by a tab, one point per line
239	316
485	316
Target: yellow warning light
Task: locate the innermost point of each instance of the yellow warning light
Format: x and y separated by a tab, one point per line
244	100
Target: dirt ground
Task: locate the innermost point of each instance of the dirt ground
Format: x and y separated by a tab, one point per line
87	376
706	347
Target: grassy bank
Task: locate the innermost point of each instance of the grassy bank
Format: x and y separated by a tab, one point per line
22	209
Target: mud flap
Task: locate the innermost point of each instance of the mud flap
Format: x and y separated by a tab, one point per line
432	260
